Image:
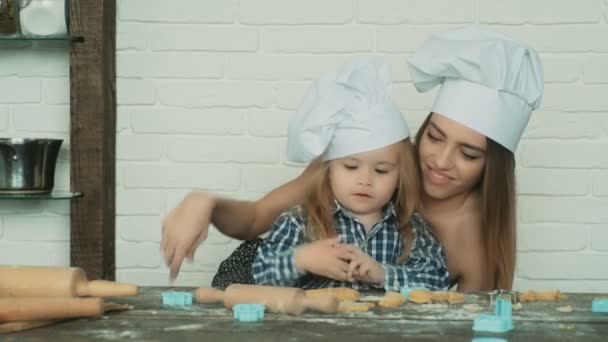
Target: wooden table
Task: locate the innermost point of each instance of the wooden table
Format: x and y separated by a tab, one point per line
151	321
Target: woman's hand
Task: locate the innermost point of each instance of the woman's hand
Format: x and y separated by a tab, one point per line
326	258
363	267
185	228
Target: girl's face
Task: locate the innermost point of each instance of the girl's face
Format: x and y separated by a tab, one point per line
452	158
364	182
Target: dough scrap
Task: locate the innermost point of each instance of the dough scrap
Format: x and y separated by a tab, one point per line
372	299
455	297
392	300
349	306
545	296
341	293
421	296
528	296
440	296
472	307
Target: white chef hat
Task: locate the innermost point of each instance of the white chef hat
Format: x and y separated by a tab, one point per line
490	82
346	112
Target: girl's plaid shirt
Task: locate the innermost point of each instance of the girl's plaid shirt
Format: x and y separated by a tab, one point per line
425	266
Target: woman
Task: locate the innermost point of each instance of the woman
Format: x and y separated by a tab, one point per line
489	85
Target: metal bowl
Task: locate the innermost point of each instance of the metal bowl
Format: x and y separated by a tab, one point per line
27	166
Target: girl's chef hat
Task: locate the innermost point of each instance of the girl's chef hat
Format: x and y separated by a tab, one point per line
489	82
346	112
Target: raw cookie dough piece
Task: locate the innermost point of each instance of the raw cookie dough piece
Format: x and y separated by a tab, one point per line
516	307
341	293
440	296
566	308
392	300
421	296
529	296
455	297
547	296
473	307
349	306
371	299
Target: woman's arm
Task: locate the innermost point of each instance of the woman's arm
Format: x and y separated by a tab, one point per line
471	262
187	225
473	271
246	220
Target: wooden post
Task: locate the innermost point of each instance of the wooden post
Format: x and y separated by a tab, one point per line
93	136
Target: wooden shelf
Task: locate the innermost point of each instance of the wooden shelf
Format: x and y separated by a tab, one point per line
52	196
20	37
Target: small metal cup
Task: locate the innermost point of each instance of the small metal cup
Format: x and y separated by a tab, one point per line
513	296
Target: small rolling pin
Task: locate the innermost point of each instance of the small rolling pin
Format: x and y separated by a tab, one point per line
287	300
40	281
37	309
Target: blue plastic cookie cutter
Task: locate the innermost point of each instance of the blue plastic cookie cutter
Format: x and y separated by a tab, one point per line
501	322
177	298
405	291
248	312
599	305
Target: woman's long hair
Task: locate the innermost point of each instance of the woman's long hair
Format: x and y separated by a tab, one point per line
498	211
319	204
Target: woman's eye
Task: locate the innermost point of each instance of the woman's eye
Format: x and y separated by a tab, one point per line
432	137
381	171
469	156
350	167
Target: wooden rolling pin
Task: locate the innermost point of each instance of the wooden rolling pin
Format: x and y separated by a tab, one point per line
39	281
286	300
36	309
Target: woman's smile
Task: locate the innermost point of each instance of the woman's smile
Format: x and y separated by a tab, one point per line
437	177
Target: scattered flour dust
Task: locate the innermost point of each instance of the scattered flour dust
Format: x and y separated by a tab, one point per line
185	327
329	321
113	335
434	306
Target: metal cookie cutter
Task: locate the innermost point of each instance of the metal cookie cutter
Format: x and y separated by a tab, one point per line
513	296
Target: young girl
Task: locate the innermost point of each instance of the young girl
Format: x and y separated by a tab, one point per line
358	224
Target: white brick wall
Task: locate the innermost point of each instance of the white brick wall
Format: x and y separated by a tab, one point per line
204	89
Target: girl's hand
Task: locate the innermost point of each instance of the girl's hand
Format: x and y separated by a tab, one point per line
327	258
363	267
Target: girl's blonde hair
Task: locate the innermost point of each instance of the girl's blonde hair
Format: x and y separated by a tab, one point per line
497	189
319	204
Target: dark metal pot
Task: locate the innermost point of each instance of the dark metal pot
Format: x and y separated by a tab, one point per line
27	166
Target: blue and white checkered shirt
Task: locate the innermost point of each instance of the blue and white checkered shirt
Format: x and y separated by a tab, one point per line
425	266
